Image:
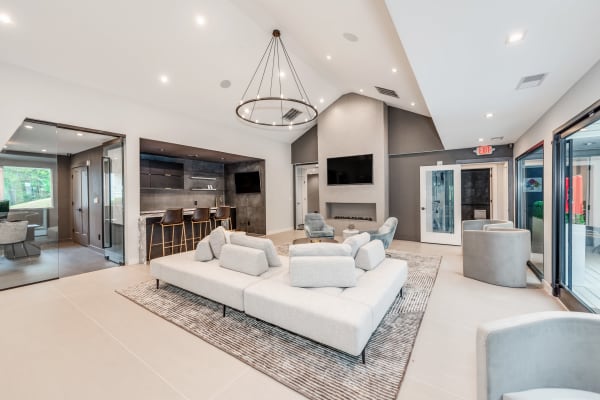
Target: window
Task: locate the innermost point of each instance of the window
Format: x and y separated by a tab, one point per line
26	187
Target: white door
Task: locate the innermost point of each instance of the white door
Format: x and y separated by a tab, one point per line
440	204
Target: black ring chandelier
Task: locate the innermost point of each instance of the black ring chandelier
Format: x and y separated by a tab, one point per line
270	104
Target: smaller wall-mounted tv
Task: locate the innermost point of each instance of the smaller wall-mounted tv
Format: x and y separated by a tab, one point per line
353	170
247	182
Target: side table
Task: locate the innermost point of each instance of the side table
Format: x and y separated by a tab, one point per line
346	233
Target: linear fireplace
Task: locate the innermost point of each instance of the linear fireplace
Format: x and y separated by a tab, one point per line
362	215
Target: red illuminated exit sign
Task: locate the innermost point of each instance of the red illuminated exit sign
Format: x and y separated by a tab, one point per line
484	150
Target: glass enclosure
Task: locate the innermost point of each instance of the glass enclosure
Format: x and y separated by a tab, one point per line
580	264
113	208
440	199
530	203
29	207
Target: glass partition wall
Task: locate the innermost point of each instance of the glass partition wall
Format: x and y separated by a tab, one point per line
29	207
577	213
530	203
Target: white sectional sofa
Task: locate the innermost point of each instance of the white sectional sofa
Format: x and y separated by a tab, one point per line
342	318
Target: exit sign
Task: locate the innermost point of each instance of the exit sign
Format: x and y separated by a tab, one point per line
484	150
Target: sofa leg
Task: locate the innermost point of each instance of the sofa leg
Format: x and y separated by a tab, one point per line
363	355
157	281
224	309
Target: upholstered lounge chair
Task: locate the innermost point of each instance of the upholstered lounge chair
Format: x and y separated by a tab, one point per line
497	255
548	355
386	232
315	226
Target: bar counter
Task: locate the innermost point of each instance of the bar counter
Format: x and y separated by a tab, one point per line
147	218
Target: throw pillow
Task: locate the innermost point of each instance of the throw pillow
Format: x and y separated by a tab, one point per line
243	259
217	239
370	255
203	251
319	249
263	244
357	241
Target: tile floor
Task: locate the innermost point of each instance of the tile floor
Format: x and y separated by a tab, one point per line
76	338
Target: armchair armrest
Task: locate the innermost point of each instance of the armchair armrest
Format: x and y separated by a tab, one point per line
527	352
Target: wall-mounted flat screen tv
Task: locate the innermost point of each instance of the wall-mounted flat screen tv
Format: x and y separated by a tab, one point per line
247	182
353	170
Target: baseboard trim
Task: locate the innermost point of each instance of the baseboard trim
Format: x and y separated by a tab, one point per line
291	228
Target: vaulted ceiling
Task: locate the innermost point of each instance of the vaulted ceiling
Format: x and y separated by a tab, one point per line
444	59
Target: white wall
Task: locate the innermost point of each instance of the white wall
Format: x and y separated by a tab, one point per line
26	94
584	93
355	125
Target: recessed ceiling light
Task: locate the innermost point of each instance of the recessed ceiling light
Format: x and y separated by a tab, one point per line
321	100
256	121
282	74
247	110
481	139
328	57
28	127
394	70
273	123
412	103
583	129
515	37
200	20
360	90
164	79
290	127
351	37
5	18
489	115
79	134
44	150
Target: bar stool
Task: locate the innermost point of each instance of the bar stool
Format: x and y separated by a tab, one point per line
172	218
200	217
223	214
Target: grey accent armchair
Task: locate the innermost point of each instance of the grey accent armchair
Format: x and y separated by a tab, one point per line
497	256
386	232
547	355
12	233
315	226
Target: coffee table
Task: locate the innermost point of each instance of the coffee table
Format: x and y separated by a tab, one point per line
314	240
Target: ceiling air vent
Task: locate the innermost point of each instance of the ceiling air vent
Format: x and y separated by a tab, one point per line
531	81
291	114
387	92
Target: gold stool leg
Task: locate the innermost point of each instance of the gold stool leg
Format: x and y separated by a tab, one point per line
193	234
151	238
163	238
183	238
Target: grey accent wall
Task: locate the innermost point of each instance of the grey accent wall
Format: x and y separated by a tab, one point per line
161	199
94	156
251	209
306	148
411	133
405	183
312	192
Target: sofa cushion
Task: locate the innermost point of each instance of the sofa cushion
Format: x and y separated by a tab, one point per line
266	245
320	249
322	271
357	241
203	251
370	255
243	259
217	240
552	393
379	288
212	281
323	317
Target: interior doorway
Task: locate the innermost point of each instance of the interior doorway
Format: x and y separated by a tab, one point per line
80	206
306	193
485	192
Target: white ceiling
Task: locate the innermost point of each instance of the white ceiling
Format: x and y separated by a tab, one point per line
464	69
122	47
48	139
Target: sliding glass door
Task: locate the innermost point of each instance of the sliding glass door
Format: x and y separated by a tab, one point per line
530	203
577	190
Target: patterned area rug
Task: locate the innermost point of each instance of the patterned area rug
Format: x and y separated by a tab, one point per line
309	368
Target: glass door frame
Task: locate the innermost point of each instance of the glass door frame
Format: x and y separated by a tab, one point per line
560	152
518	197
